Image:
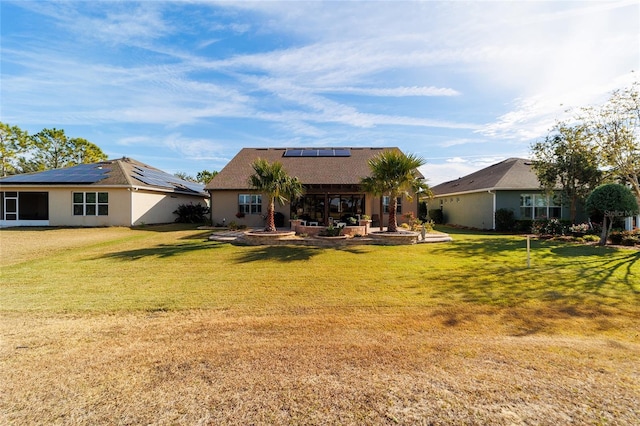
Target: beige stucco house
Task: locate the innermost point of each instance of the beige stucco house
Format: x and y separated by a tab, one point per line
331	179
512	184
121	192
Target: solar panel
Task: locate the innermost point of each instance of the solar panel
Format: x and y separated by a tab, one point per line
165	180
317	153
82	173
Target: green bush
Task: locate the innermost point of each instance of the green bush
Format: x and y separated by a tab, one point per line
436	216
548	227
625	238
191	213
505	220
524	225
422	211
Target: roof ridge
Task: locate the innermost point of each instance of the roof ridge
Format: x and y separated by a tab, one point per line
514	162
120	164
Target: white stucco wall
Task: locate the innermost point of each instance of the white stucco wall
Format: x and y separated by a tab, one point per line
127	207
149	207
473	210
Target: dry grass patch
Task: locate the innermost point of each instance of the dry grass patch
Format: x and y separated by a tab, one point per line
357	367
161	326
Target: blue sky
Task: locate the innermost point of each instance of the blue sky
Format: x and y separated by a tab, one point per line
183	86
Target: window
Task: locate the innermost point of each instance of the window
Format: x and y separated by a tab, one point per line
385	203
540	206
90	203
250	203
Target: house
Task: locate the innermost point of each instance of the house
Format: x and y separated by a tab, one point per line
331	179
121	192
511	184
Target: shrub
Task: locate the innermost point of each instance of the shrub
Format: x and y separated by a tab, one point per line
191	213
580	228
625	238
436	216
548	227
505	220
412	223
332	231
422	211
524	225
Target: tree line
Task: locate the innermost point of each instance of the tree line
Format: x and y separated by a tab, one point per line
598	145
21	152
594	158
48	149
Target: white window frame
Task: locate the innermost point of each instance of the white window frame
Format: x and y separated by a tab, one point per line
250	203
90	208
540	206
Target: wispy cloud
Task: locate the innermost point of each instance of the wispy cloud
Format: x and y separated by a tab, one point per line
394	91
457	77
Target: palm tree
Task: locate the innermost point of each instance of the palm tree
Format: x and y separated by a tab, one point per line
394	174
272	180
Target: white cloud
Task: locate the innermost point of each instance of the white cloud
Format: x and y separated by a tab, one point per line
442	170
193	148
394	91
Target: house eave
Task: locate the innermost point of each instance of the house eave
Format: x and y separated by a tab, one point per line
476	191
16	186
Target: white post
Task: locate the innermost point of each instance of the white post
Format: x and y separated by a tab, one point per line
528	251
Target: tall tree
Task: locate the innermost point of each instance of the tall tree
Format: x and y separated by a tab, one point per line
84	152
272	180
14	143
52	149
565	159
394	174
611	201
185	176
205	176
615	129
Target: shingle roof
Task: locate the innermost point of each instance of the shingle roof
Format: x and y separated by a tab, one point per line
120	172
327	170
513	173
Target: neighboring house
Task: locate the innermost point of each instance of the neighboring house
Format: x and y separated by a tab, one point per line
331	178
120	192
511	184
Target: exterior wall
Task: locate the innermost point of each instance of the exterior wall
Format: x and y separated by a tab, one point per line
224	206
476	210
61	207
473	210
126	207
149	207
511	200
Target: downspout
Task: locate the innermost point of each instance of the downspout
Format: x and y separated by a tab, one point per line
493	215
211	208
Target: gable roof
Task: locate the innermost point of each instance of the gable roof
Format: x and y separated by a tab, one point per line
322	168
121	172
512	173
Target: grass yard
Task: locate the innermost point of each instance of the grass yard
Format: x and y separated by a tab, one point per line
158	325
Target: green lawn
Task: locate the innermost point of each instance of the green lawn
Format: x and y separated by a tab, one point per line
176	268
159	325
